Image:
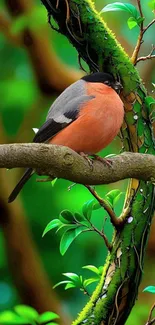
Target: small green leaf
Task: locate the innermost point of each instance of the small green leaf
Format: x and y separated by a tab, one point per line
70	285
96	206
149	101
73	276
51	225
100	270
68	238
117	198
132	22
113	196
150	289
10	318
140	20
87	282
78	217
91	268
66	216
67	227
87	209
54	181
85	223
26	311
61	282
119	6
47	317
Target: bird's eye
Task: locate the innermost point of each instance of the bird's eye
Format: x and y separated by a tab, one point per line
106	82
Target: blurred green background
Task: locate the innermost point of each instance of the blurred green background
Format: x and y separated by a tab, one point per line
31	56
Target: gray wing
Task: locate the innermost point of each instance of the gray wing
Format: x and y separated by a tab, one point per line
63	111
65	102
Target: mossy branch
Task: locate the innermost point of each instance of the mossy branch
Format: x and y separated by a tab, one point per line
115	295
62	162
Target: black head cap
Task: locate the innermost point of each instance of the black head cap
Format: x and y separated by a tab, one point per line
105	78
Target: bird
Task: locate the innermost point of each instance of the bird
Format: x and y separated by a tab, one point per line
85	117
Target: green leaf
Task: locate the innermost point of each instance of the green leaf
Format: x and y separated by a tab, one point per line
26	311
119	6
150	289
79	217
67	227
51	225
68	238
74	277
61	282
113	196
149	101
117	198
47	317
70	285
100	270
91	268
140	20
66	216
54	181
132	22
85	223
87	282
87	209
10	318
96	206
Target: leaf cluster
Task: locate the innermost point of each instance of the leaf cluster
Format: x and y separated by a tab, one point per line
72	225
23	314
77	281
135	19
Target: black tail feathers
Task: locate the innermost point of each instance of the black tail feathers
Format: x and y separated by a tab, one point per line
20	184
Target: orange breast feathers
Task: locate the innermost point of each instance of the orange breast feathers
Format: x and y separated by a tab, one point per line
98	122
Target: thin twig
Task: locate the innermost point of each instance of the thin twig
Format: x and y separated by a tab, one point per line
143	29
109	246
148	26
140	38
141	13
117	222
152	321
149	321
147	57
86	292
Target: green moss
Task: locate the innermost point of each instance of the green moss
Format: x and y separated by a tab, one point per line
100	49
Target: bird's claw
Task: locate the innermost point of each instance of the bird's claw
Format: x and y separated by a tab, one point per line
105	161
89	160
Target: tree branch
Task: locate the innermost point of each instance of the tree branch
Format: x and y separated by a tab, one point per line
134	58
147	57
116	222
62	162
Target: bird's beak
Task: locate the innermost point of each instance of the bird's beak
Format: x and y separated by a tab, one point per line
118	87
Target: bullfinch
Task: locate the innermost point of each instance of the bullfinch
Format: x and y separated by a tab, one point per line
86	117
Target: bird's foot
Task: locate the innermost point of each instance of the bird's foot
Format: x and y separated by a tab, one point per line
86	157
105	161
